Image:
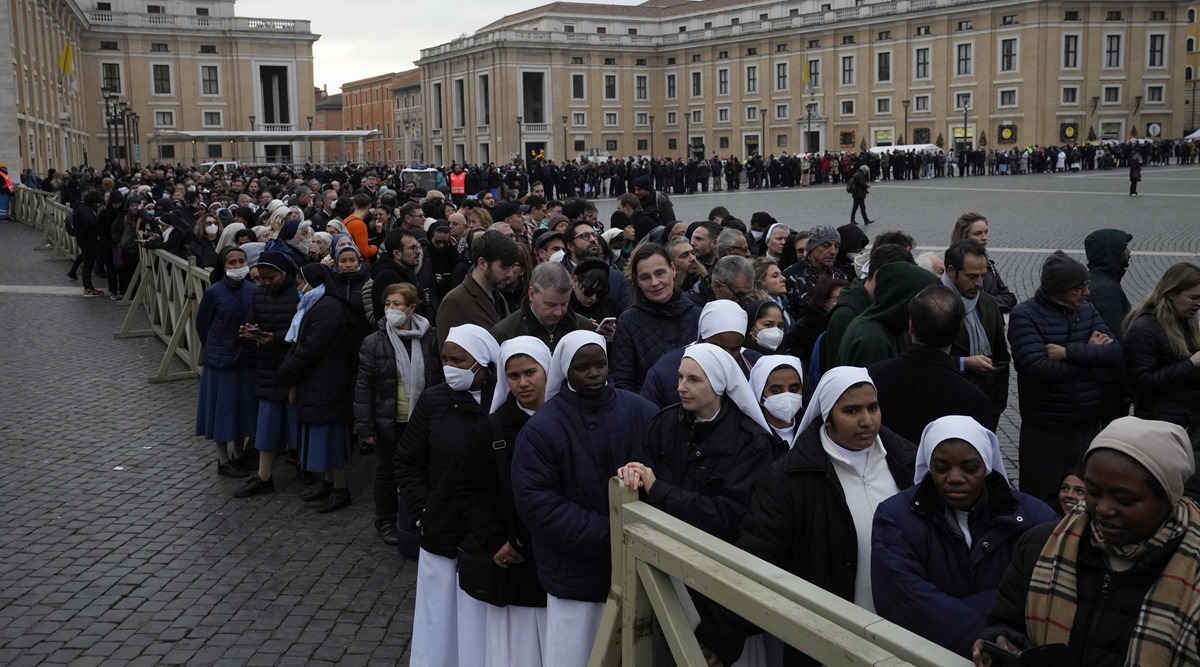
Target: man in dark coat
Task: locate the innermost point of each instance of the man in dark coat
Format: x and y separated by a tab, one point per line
858	188
478	299
823	244
1107	259
981	350
1058	341
546	313
397	262
922	384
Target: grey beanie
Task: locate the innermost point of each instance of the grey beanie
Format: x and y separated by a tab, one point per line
822	234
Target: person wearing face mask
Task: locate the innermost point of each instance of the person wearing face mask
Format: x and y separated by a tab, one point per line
939	549
395	365
778	383
564	456
271	313
225	412
204	246
354	281
496	560
294	240
427	462
722	323
811	514
320	369
764	332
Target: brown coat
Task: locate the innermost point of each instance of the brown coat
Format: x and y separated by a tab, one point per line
466	304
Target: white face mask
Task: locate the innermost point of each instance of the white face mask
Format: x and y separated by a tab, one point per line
238	274
757	235
210	230
302	246
783	406
770	338
396	318
459	379
558	256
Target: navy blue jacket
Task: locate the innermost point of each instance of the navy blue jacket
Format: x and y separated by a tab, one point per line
1059	394
661	386
564	458
923	575
273	313
224	308
645	333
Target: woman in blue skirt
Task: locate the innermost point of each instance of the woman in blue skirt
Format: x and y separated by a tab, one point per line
226	410
321	369
270	317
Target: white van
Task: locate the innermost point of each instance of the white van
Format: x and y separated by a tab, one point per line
227	167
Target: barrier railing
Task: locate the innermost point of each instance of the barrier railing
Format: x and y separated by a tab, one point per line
650	547
37	209
169	291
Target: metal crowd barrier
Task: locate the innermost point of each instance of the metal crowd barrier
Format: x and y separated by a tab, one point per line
166	287
649	547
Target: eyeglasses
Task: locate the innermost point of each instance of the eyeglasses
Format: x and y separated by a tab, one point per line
587	236
1082	288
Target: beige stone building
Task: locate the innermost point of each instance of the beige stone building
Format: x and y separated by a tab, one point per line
1191	72
176	64
671	77
408	118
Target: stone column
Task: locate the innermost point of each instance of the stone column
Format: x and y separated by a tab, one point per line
10	135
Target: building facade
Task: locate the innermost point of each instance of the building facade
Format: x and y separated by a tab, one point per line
672	77
408	119
173	64
1191	71
367	105
329	117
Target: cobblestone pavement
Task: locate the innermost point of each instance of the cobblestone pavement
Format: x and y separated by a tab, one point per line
121	545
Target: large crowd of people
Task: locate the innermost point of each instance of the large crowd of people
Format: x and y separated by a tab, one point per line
821	399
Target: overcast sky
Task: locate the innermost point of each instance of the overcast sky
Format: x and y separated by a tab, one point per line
362	38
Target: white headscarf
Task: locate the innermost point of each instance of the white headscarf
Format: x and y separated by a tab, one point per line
958	427
227	234
477	342
727	379
527	345
833	384
564	353
767	365
721	316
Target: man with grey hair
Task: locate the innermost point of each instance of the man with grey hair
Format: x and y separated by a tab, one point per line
858	188
823	244
546	313
732	278
325	213
732	242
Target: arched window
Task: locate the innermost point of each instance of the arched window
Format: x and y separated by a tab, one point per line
1191	16
1191	44
1187	73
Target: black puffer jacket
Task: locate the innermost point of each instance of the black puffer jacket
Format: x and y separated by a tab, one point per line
1166	384
321	364
799	520
647	331
273	312
1108	607
1059	394
375	391
1105	250
435	442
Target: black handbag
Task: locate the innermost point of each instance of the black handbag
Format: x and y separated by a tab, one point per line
478	574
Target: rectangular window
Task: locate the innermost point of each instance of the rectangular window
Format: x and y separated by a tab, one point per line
1008	97
162	79
752	79
781	48
159	47
671	93
781	76
781	140
577	89
641	118
696	58
1070	59
1112	94
209	84
672	118
847	107
965	53
884	36
641	87
847	70
883	105
697	116
753	51
722	55
848	39
111	73
166	151
921	103
164	119
202	11
1009	19
156	9
610	86
964	25
1158	15
610	118
568	28
633	31
1157	50
922	63
212	118
722	82
580	145
601	30
962	101
723	142
579	118
734	21
483	99
1008	55
108	46
723	115
610	61
208	48
752	113
460	103
814	43
642	144
883	66
670	61
696	91
1154	94
104	6
610	145
1112	51
1072	15
1113	16
577	60
814	74
437	106
1070	95
781	111
922	30
214	150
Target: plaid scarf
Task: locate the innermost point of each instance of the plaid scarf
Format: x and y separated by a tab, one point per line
1168	626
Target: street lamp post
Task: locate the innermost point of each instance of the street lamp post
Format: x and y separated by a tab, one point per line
687	139
310	149
651	137
109	100
904	139
566	151
762	140
811	107
137	142
521	139
966	110
124	111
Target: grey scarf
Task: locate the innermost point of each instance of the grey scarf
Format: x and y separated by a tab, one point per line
410	367
980	345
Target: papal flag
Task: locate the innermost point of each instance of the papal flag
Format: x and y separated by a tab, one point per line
66	65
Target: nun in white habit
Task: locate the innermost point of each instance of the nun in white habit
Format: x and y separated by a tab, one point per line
777	383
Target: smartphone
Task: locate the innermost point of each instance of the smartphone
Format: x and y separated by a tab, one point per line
1000	656
607	321
253	330
999	364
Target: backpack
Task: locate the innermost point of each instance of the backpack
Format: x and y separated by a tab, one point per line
69	224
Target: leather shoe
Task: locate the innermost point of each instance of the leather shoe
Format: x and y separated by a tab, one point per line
338	499
255	486
387	532
323	491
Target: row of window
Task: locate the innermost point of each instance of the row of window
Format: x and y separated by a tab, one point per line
161	76
150	9
157	47
167	119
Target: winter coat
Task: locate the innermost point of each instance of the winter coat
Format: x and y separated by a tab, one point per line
320	365
355	288
619	289
1059	394
661	386
924	576
880	332
223	309
466	304
386	272
801	337
993	284
205	252
375	389
273	313
1105	250
858	185
1107	609
433	446
799	521
853	301
524	323
705	472
801	278
486	508
921	385
646	332
994	385
1166	384
565	456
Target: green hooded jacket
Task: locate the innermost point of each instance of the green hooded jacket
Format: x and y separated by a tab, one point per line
880	332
